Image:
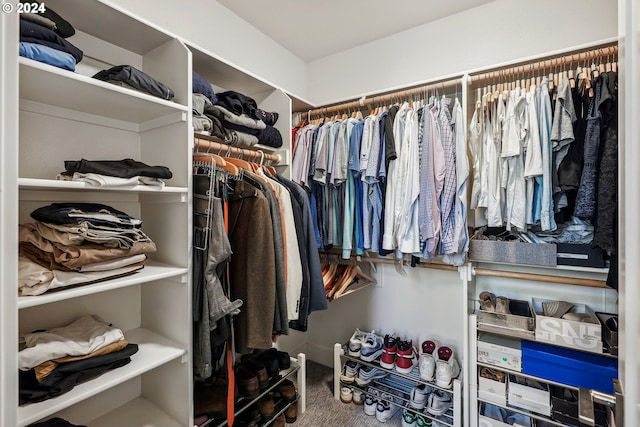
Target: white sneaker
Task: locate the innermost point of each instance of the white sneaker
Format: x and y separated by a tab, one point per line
439	402
429	351
386	408
371	347
355	342
447	367
419	395
358	396
366	374
346	395
371	401
349	372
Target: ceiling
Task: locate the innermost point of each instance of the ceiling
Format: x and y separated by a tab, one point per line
313	29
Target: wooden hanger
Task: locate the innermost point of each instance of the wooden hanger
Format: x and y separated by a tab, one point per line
243	164
218	162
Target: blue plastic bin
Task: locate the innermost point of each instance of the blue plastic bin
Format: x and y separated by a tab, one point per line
570	367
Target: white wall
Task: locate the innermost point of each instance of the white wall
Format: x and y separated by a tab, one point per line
216	29
497	32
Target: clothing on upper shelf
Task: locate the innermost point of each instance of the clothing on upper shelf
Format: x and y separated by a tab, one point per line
48	55
126	168
55	422
137	79
53	21
201	86
35	33
388	183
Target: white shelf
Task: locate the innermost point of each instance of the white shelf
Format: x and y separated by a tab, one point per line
46	84
151	272
57	185
136	413
153	351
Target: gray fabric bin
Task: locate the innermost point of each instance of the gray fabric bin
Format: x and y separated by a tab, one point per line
543	254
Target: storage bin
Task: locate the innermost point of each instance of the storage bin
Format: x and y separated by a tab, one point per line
493	388
543	254
581	255
520	323
571	367
500	351
564	405
531	394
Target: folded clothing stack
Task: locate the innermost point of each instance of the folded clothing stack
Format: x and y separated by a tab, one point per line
54	361
43	38
77	244
132	78
115	173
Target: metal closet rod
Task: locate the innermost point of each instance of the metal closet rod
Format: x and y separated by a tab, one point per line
610	50
382	99
214	145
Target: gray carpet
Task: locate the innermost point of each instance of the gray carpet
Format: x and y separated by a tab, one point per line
325	411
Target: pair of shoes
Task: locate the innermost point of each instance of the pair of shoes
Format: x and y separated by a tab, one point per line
398	353
249	418
366	374
346	395
489	302
371	401
355	342
411	419
279	421
419	395
247	383
439	402
438	363
266	406
387	407
260	370
371	347
210	399
349	371
492	374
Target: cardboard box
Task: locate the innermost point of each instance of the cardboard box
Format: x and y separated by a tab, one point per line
500	351
493	390
533	395
569	333
520	323
543	254
582	255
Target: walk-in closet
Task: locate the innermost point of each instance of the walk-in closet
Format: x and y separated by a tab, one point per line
229	214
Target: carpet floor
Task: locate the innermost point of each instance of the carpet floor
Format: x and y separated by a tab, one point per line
324	411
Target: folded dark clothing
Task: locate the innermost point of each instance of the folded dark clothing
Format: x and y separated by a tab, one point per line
200	85
240	128
55	422
126	168
71	374
270	137
63	27
40	20
238	103
34	33
136	78
77	213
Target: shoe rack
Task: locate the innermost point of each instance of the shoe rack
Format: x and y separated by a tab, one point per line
400	386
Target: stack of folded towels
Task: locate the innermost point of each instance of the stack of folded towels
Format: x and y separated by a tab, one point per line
78	243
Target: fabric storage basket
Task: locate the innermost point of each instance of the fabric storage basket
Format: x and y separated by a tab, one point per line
543	254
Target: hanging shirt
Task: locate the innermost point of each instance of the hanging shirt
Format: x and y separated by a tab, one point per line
492	169
450	183
461	233
349	195
515	128
408	233
547	219
476	151
561	136
322	154
533	157
365	150
354	168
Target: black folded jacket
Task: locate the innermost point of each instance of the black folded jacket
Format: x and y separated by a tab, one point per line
34	33
137	79
126	168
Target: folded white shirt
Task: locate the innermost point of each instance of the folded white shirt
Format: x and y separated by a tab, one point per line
112	181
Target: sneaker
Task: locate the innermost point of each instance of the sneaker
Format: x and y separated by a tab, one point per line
439	402
502	305
371	347
358	396
346	395
407	357
349	372
366	374
355	342
447	367
423	421
419	395
428	360
408	418
386	408
371	401
389	348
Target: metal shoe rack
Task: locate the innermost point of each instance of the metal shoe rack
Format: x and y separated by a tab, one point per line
400	386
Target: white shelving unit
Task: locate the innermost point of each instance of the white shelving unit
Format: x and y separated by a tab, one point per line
65	115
